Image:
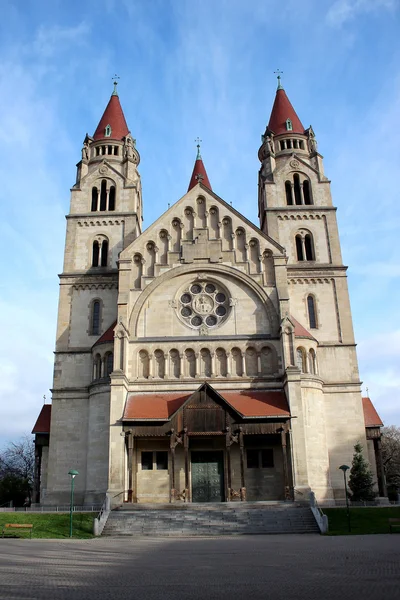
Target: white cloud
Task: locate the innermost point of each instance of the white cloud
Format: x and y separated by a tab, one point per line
346	10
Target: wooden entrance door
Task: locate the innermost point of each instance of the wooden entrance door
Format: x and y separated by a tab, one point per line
207	476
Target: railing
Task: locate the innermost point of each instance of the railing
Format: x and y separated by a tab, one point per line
101	519
320	517
52	509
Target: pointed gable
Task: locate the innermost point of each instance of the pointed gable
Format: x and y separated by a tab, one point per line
108	336
371	417
114	117
42	424
281	111
300	331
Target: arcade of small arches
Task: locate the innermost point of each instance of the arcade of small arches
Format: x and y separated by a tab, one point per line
103	365
100	252
187	363
307	361
298	191
305	246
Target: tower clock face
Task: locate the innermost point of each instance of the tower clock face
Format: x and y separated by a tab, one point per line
203	303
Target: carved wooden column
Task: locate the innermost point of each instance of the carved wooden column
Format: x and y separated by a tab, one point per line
186	450
242	479
172	472
130	441
288	495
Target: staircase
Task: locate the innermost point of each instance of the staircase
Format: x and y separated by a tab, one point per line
193	519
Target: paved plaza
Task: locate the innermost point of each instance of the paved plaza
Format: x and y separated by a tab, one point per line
254	567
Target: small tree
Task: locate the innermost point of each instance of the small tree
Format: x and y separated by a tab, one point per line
17	464
361	481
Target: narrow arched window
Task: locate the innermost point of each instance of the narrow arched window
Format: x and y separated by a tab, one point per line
103	195
104	253
309	247
95	194
312	362
312	319
307	192
109	364
288	190
97	367
111	198
296	186
95	325
95	254
289	125
299	248
107	131
301	359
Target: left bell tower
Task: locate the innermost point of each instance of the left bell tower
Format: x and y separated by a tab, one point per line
105	216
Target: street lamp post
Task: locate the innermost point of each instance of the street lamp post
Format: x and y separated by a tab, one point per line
73	474
345	468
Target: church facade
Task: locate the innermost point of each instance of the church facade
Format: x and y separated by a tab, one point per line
205	359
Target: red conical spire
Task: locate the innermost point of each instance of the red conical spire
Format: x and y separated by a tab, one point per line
199	174
281	111
114	117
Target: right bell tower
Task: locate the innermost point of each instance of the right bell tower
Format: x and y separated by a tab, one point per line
295	209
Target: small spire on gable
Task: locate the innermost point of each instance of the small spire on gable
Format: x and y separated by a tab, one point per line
199	174
112	124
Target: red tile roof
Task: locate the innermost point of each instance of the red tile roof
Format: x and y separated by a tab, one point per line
371	417
249	403
282	110
199	169
42	424
108	336
113	116
300	331
154	405
257	403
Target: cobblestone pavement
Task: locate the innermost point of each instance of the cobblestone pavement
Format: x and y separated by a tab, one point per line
248	567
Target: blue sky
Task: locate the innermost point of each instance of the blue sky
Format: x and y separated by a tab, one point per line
193	68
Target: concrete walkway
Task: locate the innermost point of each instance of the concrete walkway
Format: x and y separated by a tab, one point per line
245	567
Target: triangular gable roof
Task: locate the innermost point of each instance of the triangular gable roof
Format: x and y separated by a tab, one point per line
161	406
371	417
300	331
108	336
42	424
172	212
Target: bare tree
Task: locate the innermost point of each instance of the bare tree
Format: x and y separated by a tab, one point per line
17	466
391	456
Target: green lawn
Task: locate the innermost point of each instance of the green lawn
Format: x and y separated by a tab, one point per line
49	525
363	520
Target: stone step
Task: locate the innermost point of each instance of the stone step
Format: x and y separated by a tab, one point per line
210	521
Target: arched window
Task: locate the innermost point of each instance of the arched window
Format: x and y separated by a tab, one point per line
312	319
301	360
109	364
107	131
103	195
104	253
309	247
312	362
95	194
95	320
97	367
307	192
299	248
296	186
289	125
95	254
288	190
111	198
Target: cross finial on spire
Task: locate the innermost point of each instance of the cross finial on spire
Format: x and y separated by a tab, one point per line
115	93
198	140
278	73
367	392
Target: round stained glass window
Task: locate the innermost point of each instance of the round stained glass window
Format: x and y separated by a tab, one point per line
211	321
203	304
196	321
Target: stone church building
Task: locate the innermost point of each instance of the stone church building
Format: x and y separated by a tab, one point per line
205	359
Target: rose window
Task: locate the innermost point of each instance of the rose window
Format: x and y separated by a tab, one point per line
203	304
